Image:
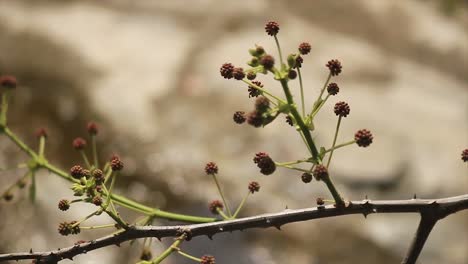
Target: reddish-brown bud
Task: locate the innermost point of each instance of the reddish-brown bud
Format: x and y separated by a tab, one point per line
214	205
67	228
267	61
363	138
306	177
333	89
262	104
97	200
253	92
320	201
211	168
264	162
64	204
115	163
238	73
98	176
8	81
320	172
335	67
226	70
464	155
76	171
239	117
272	28
254	187
251	75
342	109
79	143
207	259
255	118
92	128
41	132
304	48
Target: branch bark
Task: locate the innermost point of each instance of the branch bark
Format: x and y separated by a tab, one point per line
430	210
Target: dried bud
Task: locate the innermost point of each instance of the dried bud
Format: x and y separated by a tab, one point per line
304	48
320	201
66	228
264	163
251	75
299	61
254	92
116	164
464	155
146	254
76	171
98	176
92	128
341	109
320	172
239	117
7	196
64	205
79	143
211	168
226	70
207	259
306	177
185	232
214	205
97	200
41	132
254	187
334	66
238	73
8	81
363	138
292	74
289	120
272	28
255	118
267	61
333	89
262	104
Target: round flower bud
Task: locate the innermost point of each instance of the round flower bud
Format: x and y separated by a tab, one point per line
266	165
255	118
464	155
320	172
207	259
292	74
254	187
253	92
306	177
272	28
146	254
363	138
342	109
92	128
333	89
66	228
98	176
335	67
320	201
116	164
64	205
79	143
41	132
251	75
289	120
8	82
97	200
304	48
267	61
238	73
211	168
239	117
76	172
214	205
262	104
226	70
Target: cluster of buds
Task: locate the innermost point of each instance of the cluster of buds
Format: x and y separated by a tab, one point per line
69	228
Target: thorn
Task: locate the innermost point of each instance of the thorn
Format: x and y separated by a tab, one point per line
210	237
159	239
415	197
286	208
30	251
365	215
117	244
278	227
366	198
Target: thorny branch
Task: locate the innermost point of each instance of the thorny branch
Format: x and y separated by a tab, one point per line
431	211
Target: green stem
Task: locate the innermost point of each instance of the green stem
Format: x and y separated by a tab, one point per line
188	256
292	162
341	145
324	87
241	205
117	219
41	146
4	110
302	91
168	251
292	168
86	218
85	159
317	109
222	195
123	201
97	226
334	141
299	120
279	51
338	200
19	143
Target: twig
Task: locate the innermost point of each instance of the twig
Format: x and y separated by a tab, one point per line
436	209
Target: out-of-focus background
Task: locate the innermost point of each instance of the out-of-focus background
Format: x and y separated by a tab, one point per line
148	72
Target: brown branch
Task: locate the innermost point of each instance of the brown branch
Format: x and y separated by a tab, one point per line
437	209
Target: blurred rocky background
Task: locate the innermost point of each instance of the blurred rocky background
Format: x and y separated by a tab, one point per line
147	71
